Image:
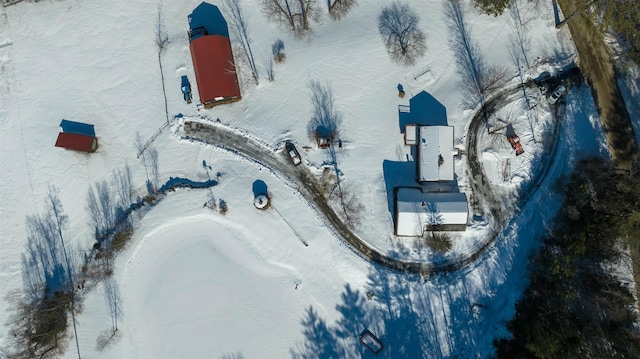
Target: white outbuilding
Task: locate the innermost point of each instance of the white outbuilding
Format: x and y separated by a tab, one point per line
417	211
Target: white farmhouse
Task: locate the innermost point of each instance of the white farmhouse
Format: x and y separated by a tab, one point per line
435	150
437	204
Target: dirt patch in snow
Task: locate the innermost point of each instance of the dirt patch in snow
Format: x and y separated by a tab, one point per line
597	65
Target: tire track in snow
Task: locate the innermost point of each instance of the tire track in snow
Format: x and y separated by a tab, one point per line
13	91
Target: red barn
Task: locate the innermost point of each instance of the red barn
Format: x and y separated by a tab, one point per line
215	72
212	56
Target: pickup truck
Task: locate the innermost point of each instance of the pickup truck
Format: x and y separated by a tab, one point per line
515	144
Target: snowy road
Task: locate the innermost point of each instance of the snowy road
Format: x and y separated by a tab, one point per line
306	183
479	182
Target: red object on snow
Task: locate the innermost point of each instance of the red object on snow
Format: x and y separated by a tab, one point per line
74	141
515	144
214	68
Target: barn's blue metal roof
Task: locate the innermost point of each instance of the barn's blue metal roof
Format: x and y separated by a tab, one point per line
210	18
77	128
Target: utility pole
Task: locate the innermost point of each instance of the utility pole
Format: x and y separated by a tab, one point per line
56	208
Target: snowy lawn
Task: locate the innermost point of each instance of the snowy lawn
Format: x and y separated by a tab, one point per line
195	283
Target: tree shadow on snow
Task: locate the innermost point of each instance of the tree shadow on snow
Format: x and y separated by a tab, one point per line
412	317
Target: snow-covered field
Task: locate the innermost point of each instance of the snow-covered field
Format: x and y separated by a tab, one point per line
196	284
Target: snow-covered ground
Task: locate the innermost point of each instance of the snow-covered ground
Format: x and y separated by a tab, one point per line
198	284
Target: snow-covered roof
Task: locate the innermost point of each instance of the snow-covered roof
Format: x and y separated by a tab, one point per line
261	201
410	136
436	153
416	209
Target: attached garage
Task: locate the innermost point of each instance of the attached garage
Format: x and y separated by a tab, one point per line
417	211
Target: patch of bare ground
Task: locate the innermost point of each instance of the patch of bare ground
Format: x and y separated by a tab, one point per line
597	65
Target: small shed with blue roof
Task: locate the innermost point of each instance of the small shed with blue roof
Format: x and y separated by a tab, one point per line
77	136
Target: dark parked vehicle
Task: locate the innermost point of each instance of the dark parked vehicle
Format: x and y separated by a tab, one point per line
561	108
370	341
293	153
542	78
185	87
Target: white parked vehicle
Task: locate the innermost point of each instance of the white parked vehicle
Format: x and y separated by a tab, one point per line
556	94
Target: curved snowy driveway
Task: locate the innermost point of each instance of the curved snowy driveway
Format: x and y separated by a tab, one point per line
242	145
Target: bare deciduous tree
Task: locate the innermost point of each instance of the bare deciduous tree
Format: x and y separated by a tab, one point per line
269	67
326	117
162	37
325	122
112	295
296	15
139	142
240	29
43	263
398	25
519	38
108	203
495	77
519	47
106	339
162	40
124	186
101	207
48	283
339	8
237	355
155	174
469	59
351	204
